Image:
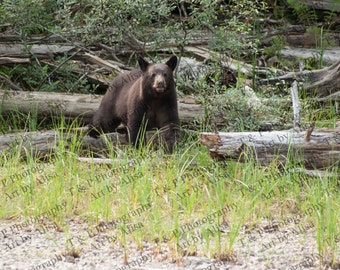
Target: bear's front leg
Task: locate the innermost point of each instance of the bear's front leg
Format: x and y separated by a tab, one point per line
136	125
169	136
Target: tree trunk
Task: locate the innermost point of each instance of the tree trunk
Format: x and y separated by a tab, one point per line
318	149
72	106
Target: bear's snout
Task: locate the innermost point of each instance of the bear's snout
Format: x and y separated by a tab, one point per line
159	84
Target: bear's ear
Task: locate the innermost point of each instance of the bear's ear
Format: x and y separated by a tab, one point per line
142	64
172	62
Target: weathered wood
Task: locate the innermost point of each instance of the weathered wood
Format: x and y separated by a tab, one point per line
97	160
44	143
331	5
311	40
47	39
297	37
276	147
39	50
9	83
320	83
270	33
11	60
41	144
232	64
335	97
296	105
97	60
328	56
72	106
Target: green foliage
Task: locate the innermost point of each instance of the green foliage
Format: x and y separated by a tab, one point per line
29	16
302	12
309	16
188	185
40	77
240	22
138	23
111	22
277	45
320	37
231	42
183	188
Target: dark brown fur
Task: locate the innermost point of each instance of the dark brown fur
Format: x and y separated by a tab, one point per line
149	92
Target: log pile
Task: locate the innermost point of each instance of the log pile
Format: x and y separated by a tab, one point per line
100	63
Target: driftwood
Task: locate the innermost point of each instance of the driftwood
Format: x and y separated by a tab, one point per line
320	149
72	106
320	83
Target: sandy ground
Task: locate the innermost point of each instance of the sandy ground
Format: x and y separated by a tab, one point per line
25	245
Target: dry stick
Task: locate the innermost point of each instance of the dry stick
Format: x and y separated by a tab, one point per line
10	83
309	131
97	60
296	105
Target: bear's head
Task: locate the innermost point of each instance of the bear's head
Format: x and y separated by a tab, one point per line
157	79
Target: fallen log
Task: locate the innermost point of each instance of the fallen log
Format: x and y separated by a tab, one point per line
39	50
319	149
297	36
230	63
11	60
332	97
72	106
328	56
330	5
42	144
320	83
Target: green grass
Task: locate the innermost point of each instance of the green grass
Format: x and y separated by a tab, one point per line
181	189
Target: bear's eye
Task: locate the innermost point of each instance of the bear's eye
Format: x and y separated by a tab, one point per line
164	74
153	75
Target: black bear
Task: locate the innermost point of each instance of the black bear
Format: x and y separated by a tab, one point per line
141	96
